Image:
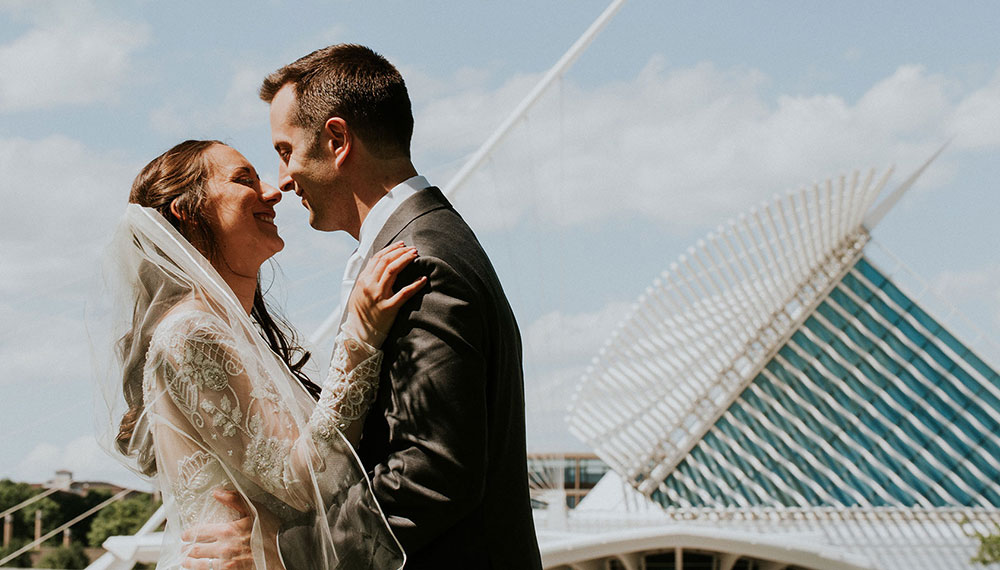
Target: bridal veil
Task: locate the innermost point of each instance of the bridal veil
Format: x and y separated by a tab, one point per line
198	401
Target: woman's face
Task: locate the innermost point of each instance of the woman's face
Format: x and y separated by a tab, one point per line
240	210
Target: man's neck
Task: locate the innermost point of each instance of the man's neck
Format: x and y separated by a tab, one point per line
385	176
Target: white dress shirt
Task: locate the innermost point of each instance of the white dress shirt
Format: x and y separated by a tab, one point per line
373	224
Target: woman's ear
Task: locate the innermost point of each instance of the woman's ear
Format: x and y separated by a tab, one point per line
175	210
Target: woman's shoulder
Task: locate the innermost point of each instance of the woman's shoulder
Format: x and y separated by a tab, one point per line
191	334
189	319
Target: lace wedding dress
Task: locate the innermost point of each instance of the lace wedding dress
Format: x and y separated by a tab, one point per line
217	409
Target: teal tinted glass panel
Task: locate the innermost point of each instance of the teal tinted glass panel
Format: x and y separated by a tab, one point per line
871	402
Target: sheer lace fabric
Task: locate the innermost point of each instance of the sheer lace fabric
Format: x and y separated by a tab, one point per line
350	386
219	410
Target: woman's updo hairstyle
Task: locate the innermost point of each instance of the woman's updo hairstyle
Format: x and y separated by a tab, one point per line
180	176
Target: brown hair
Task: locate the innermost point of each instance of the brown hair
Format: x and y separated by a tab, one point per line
356	84
180	176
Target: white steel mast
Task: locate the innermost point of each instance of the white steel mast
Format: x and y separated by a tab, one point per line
329	326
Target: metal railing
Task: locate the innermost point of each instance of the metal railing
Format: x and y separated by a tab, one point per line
38	541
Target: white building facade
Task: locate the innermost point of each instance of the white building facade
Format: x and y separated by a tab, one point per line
776	387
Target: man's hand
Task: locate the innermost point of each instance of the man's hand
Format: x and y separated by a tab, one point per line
221	546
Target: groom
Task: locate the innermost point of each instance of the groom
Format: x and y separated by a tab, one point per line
444	442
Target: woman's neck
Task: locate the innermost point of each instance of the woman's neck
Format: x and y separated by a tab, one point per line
243	286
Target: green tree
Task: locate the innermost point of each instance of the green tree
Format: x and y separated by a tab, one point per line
51	516
71	557
21	561
124	517
12	493
989	549
72	505
989	543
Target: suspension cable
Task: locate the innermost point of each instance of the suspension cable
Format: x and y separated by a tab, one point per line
23	504
72	522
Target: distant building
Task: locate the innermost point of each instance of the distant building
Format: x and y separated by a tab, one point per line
64	481
776	386
575	474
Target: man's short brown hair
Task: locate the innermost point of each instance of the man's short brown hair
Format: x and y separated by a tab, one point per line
356	84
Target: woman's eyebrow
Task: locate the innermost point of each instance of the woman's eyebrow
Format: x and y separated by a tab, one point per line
240	170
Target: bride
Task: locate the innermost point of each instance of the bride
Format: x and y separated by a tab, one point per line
210	398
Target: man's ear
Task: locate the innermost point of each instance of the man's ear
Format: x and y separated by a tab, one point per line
340	138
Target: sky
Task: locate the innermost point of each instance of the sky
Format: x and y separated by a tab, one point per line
679	116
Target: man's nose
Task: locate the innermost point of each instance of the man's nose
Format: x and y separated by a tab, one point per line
269	194
285	182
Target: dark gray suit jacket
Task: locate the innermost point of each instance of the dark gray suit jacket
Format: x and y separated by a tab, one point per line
444	441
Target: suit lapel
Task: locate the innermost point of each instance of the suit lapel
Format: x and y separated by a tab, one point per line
424	201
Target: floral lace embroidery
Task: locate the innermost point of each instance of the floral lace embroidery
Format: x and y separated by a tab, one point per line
224	415
265	393
346	395
194	480
265	462
197	359
202	363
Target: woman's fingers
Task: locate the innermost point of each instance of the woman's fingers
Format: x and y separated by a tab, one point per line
385	255
201	533
197	564
373	304
404	294
235	563
381	272
373	269
393	267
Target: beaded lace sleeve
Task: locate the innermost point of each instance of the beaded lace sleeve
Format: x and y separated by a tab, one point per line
236	411
350	386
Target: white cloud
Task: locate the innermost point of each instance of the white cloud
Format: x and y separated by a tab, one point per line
43	348
960	286
557	347
239	109
456	114
910	101
71	54
62	191
64	204
976	120
546	399
559	338
690	146
976	294
82	455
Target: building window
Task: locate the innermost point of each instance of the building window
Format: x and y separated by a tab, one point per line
579	473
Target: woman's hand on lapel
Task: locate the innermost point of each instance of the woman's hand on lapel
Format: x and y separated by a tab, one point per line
373	305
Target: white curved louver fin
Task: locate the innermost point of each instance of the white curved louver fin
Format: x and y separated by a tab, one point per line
701	333
873	217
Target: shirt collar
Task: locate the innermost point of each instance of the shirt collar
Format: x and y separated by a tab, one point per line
383	210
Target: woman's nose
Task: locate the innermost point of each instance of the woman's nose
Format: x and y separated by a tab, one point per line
269	194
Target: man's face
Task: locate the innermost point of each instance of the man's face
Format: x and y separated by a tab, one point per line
311	173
